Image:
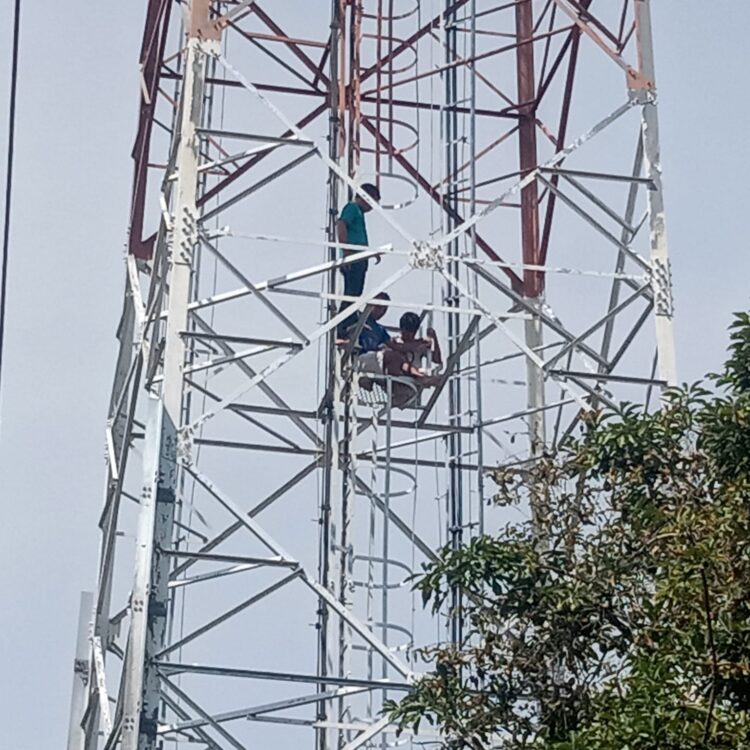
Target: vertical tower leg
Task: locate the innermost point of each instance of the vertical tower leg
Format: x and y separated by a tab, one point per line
326	738
81	673
118	439
150	597
452	298
645	91
533	281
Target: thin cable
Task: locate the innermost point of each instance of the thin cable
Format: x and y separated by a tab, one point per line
9	177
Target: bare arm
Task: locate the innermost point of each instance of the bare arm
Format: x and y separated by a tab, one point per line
397	346
437	355
342	233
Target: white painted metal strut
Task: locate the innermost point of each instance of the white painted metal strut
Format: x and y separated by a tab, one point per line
662	274
81	673
149	601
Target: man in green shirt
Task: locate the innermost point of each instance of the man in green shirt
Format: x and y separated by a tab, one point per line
352	230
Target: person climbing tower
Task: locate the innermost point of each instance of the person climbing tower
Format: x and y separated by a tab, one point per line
351	229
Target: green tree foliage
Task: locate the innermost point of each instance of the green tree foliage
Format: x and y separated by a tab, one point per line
625	623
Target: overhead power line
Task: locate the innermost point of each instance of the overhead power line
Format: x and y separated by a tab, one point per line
9	178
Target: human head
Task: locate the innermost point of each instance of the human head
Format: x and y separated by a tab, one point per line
409	325
372	191
380	310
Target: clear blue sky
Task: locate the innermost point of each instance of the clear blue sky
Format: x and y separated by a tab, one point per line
77	115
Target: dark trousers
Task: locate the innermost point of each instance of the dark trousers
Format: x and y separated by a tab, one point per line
354	285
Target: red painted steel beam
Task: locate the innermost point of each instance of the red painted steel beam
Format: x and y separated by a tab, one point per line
317	69
533	281
575	39
416	175
260	36
547	82
412	40
471	61
170	75
322	63
527	102
144	249
216	189
155	32
294	49
290	68
508	113
582	6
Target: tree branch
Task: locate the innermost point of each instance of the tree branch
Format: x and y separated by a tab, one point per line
714	657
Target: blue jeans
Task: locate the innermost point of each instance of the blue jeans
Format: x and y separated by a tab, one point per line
354	285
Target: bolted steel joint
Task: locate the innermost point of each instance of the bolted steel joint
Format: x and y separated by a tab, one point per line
188	232
81	668
185	446
427	256
661	285
128	724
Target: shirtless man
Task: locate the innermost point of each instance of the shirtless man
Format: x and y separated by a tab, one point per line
401	357
413	348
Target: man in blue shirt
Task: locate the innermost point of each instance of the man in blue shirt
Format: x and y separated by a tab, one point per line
373	335
352	230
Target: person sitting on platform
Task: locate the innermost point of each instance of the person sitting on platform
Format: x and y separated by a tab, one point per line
413	348
398	358
373	335
351	229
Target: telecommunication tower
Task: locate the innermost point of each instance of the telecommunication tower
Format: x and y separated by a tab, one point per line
263	512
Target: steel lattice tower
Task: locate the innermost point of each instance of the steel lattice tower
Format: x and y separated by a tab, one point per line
262	512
